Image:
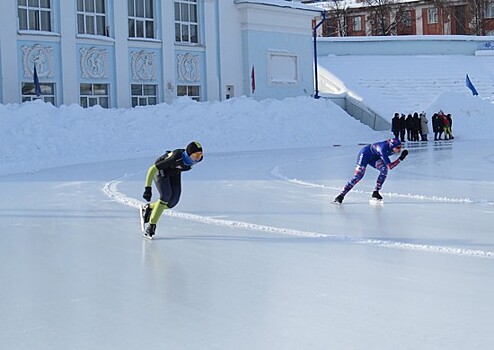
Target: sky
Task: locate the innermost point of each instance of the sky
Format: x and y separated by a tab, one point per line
255	255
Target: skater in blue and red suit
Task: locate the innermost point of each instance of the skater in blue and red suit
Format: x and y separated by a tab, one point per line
377	156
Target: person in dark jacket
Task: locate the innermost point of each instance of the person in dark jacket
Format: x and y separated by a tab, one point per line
403	127
395	125
436	126
166	173
377	156
416	127
450	120
409	126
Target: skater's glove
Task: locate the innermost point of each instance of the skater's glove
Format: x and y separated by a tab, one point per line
147	194
403	154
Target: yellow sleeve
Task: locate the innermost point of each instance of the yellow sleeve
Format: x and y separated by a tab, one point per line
149	177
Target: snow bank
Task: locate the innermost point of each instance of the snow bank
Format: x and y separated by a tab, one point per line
38	135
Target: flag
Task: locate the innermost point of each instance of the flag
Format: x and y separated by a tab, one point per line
471	87
253	80
37	87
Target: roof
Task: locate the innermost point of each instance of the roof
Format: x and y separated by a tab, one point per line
281	3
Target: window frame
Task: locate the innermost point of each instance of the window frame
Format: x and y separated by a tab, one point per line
357	24
406	19
94	97
137	23
432	15
45	88
489	10
93	14
189	93
187	12
37	13
143	97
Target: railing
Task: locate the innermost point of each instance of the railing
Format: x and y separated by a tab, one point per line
359	111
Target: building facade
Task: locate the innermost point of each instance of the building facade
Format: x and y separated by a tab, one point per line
126	53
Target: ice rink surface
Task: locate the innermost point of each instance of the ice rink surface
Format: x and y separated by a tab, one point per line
255	256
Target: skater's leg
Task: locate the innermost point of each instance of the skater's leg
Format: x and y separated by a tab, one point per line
176	190
383	173
357	176
163	184
158	208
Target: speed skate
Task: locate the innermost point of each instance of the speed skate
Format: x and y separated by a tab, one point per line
375	201
144	224
141	215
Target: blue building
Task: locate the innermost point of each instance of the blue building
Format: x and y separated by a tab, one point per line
125	53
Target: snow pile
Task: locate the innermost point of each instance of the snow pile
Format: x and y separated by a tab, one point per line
38	135
382	83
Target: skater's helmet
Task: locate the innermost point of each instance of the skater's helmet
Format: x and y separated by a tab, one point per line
393	143
194	147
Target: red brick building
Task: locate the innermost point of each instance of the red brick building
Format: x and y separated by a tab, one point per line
402	17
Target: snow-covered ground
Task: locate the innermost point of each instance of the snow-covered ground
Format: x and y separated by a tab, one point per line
417	83
255	256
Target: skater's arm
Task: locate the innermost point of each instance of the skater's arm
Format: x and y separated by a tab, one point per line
402	156
394	163
149	177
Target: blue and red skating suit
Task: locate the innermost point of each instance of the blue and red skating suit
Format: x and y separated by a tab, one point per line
371	154
377	156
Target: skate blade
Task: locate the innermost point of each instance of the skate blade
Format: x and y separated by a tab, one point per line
374	201
147	236
143	225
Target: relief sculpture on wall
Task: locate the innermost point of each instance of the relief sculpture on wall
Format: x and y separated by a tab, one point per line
42	56
143	65
188	68
94	63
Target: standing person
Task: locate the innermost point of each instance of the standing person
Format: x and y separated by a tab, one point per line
445	124
409	126
166	173
416	127
403	127
450	120
395	125
436	126
443	121
377	156
424	127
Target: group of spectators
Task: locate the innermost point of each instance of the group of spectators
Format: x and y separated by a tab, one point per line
414	127
442	123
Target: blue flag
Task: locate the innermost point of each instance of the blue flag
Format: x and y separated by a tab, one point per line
37	87
471	87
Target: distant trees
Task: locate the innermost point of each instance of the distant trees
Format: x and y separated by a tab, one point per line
471	15
383	16
398	17
381	12
338	23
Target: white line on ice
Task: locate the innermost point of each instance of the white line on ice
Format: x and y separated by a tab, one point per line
111	190
276	173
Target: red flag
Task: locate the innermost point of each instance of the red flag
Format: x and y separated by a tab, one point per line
253	80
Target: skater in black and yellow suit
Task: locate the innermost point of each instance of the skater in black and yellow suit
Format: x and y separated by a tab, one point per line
166	173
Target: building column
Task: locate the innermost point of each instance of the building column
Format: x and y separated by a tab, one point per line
10	89
122	83
69	55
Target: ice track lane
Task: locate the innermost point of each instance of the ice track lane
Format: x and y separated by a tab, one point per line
111	190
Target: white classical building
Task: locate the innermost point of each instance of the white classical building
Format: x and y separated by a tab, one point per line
124	53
